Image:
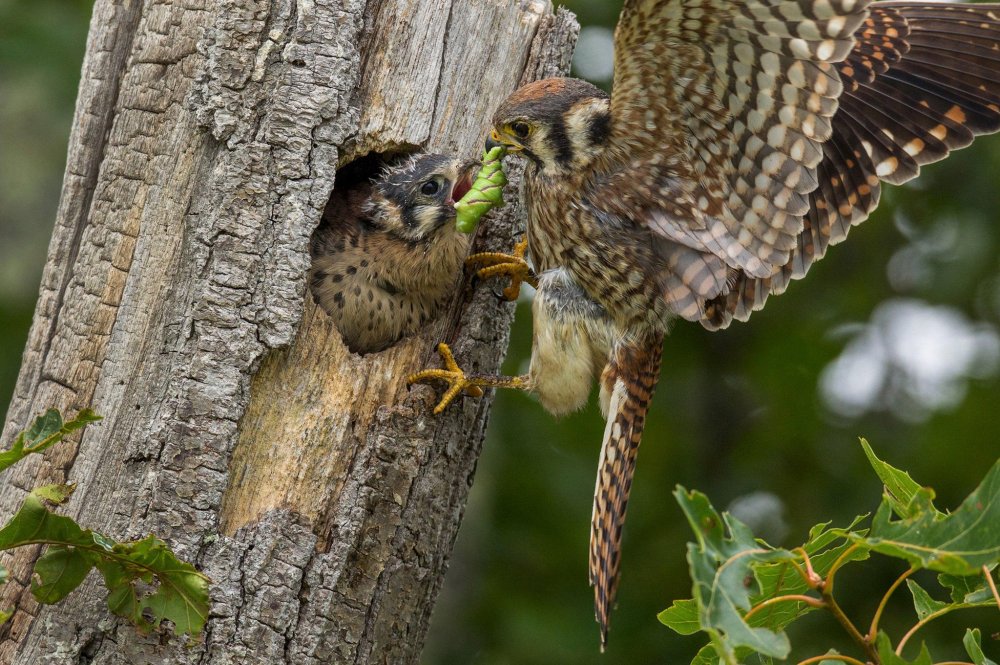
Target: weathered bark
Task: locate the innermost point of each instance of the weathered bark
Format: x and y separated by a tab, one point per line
310	484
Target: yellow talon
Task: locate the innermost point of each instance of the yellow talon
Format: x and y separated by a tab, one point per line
513	265
457	381
452	374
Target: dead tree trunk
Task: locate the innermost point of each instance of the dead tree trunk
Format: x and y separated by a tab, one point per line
310	484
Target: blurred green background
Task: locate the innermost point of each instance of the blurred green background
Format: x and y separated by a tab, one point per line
892	337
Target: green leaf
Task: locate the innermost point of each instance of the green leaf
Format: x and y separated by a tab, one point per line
929	609
922	601
182	595
825	546
14	455
33	523
707	655
962	586
60	570
777	578
720	567
974	647
44	426
681	617
56	494
124	601
899	487
179	592
959	543
3	575
832	661
47	430
5	616
887	655
968	588
124	598
83	418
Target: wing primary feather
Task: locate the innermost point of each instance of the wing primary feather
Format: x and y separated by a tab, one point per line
921	81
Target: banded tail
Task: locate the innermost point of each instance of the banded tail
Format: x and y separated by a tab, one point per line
628	380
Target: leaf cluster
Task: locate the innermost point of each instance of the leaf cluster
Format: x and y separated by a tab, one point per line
147	584
746	592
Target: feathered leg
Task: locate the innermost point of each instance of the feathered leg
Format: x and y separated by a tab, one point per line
572	335
458	381
627	382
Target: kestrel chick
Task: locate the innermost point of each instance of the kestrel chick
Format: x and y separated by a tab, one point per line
742	139
386	255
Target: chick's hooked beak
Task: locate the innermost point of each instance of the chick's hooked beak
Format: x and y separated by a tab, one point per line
497	140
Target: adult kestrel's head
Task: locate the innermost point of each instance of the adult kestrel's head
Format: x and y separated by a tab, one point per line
560	124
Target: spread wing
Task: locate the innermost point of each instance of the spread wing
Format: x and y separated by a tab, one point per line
720	109
922	80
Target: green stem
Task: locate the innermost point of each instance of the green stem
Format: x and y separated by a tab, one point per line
873	629
809	576
920	624
841	560
993	586
843	659
108	554
808	600
852	630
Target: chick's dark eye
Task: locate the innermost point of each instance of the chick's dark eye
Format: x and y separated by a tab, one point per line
430	188
520	129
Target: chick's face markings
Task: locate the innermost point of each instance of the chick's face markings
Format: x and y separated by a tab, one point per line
419	198
387	255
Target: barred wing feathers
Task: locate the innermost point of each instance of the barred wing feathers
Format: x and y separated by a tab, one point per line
922	80
734	99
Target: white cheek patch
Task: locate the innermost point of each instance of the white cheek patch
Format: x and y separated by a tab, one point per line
580	120
541	146
425	218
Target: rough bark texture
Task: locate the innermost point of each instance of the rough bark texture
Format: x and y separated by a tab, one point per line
310	484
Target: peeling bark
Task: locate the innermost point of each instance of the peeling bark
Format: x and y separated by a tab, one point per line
310	484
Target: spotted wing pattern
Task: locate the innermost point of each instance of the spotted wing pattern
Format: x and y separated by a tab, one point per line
922	80
733	100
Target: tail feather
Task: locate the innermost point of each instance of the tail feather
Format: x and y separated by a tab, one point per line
629	379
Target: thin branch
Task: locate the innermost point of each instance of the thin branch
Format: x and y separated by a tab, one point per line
873	629
993	586
808	600
738	556
920	624
841	560
811	578
852	630
803	574
843	659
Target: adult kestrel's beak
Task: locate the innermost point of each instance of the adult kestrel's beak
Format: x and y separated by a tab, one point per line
496	140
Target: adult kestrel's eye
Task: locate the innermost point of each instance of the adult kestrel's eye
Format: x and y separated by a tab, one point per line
520	129
430	188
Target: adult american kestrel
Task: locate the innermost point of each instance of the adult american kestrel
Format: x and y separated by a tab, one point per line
387	255
741	140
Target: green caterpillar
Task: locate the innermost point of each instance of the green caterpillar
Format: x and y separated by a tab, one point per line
486	192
